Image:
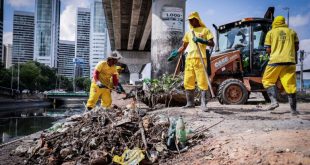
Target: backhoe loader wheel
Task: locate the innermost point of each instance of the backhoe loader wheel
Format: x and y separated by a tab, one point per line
232	91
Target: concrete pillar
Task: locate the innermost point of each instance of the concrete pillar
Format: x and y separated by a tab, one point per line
133	78
168	17
135	61
134	70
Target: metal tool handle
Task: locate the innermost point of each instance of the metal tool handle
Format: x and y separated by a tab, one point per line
204	66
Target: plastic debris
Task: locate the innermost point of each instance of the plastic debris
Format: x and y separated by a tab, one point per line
129	157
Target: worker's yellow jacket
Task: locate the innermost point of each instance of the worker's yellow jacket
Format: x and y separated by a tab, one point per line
282	41
105	73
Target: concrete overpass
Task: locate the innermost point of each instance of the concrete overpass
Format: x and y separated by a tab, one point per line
145	31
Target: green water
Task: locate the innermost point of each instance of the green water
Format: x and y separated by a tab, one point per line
24	122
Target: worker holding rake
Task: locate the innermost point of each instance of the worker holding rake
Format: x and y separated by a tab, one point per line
198	38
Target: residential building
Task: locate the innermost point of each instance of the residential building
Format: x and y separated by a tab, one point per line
23	37
47	20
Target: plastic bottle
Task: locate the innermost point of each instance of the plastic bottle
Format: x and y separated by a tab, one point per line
180	131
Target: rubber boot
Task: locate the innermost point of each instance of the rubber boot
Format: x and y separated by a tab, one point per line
203	105
272	91
293	104
190	99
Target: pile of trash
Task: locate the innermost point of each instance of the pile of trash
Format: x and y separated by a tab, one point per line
106	136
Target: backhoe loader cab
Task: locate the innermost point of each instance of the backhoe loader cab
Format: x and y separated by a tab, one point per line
240	59
247	36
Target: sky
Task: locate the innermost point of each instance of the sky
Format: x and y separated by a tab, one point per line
211	11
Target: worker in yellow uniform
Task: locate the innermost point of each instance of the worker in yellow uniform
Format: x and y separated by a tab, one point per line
194	69
102	85
281	43
120	89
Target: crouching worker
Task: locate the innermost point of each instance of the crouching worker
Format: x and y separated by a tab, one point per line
102	85
119	88
194	68
282	44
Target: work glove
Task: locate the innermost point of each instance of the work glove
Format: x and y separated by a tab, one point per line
200	40
99	84
173	55
118	90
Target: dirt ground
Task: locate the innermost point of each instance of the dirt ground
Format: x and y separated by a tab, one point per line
247	135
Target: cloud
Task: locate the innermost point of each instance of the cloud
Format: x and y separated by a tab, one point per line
68	18
299	20
21	3
7	38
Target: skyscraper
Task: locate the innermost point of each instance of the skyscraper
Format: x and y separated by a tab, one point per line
82	40
1	29
65	63
98	35
23	37
47	19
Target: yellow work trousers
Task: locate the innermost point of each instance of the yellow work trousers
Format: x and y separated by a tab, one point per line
94	94
194	71
286	74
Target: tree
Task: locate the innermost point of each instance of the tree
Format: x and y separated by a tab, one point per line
82	83
5	78
37	76
29	74
65	83
86	84
47	77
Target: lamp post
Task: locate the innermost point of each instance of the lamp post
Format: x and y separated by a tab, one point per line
12	79
18	69
288	15
301	59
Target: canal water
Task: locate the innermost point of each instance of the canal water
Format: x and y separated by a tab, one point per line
23	122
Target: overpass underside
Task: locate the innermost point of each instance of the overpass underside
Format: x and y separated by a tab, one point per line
136	27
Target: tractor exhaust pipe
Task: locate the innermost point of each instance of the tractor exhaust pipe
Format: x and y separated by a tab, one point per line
217	38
